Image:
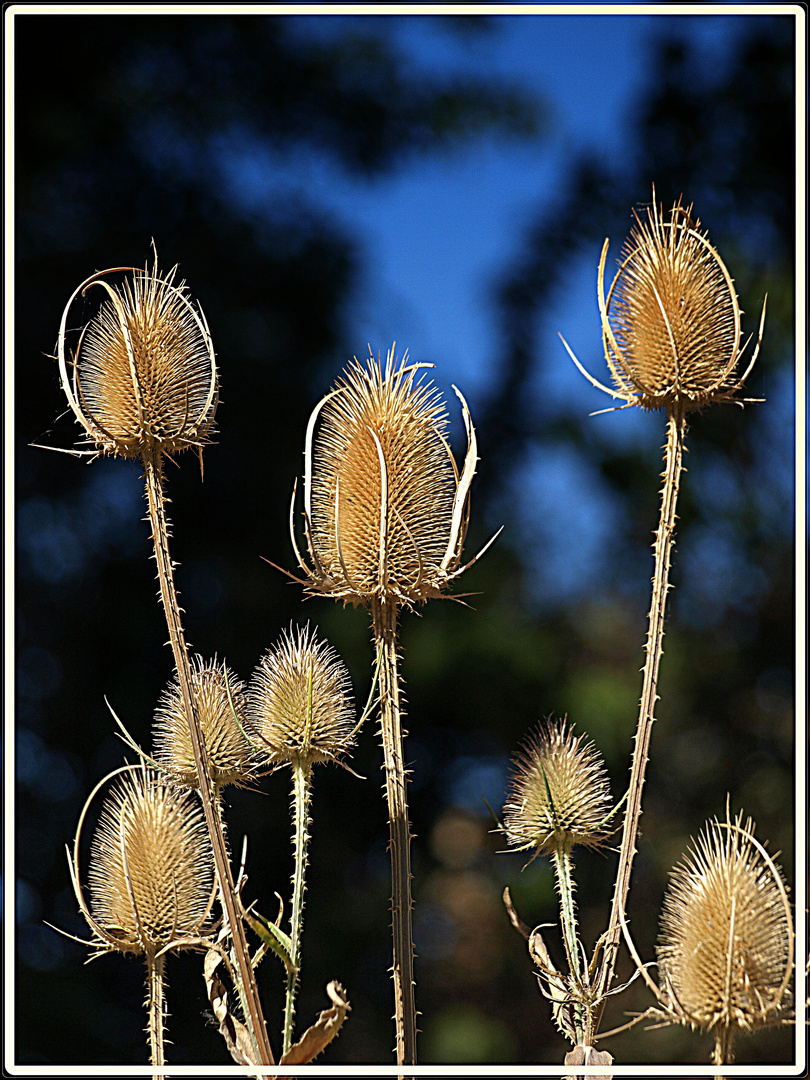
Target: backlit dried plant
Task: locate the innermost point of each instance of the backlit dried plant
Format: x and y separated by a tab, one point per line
726	944
559	794
299	702
142	381
385	506
672	336
559	798
221	702
385	516
300	711
143	374
150	879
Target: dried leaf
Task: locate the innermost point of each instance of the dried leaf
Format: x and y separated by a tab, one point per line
514	918
325	1028
233	1031
588	1055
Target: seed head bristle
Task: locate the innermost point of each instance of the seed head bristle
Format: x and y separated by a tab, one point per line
385	504
151	870
674	312
559	793
222	722
725	937
671	320
299	701
143	372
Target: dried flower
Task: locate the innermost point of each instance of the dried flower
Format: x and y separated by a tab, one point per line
151	871
671	319
143	372
725	950
221	704
384	504
299	701
559	795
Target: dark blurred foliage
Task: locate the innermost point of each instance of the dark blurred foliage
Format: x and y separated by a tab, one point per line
125	128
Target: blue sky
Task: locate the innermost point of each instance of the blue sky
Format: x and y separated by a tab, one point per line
436	236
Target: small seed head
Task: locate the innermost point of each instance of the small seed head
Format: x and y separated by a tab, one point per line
299	701
229	753
151	870
385	504
725	939
559	793
143	372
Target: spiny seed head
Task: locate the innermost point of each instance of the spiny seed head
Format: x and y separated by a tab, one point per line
143	374
725	942
559	793
151	870
671	320
300	705
229	753
385	505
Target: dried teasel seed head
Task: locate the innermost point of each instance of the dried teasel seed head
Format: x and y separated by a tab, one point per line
151	869
143	374
221	707
559	793
300	705
384	503
725	949
671	320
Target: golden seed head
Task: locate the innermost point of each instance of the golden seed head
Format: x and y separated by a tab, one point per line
559	793
229	753
671	320
385	505
151	870
300	705
725	939
143	374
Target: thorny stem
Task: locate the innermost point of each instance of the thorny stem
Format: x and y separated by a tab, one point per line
155	1008
723	1053
565	886
384	618
676	430
302	800
168	594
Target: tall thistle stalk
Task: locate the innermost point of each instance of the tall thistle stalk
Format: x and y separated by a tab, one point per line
144	385
672	339
300	711
385	515
559	799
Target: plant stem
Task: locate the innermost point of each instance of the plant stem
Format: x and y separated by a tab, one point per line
384	617
155	1008
160	535
723	1053
302	800
565	886
676	430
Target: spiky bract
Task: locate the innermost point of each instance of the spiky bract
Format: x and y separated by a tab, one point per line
143	371
221	703
151	871
300	704
385	505
725	944
559	794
